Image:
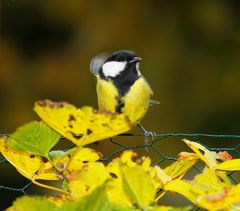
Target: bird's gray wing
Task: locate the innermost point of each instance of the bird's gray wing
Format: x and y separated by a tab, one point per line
97	62
153	102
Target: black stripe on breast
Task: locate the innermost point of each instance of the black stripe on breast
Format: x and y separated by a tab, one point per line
120	104
125	80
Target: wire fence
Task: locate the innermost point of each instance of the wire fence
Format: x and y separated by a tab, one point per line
163	148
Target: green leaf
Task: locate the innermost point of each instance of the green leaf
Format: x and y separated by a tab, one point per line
229	165
97	200
34	137
57	154
138	185
32	203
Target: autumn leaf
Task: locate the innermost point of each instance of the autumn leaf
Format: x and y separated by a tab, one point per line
161	174
224	156
97	200
204	154
180	167
31	166
27	164
115	190
207	190
138	185
168	208
81	125
82	182
80	157
32	203
229	165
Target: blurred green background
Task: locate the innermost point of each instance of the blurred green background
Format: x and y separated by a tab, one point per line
190	54
190	51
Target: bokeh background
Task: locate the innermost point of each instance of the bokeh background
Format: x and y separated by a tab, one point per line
190	52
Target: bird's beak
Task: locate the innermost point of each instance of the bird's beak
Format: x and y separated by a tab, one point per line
136	59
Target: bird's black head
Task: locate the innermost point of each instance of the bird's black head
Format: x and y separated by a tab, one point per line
122	67
122	56
120	64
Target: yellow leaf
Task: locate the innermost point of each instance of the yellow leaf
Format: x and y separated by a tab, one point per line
59	200
30	166
229	165
32	203
82	182
2	141
81	156
209	181
207	190
176	170
84	125
114	169
184	188
168	208
206	156
60	163
116	193
115	190
162	175
146	164
221	200
223	177
46	172
138	185
27	164
126	158
54	169
180	167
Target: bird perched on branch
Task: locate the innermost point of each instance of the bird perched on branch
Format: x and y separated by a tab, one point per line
120	85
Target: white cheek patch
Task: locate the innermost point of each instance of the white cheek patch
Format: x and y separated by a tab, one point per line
113	69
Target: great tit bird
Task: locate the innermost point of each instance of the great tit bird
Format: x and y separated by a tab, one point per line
120	85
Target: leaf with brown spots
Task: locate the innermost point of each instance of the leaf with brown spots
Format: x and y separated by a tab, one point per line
81	125
207	190
28	164
82	182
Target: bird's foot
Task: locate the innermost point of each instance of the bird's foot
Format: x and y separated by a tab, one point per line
148	135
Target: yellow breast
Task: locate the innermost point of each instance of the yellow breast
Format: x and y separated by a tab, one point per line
136	100
107	95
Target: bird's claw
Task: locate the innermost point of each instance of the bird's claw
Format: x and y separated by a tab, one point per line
147	134
150	134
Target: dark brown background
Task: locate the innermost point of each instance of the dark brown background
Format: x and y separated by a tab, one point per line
190	52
